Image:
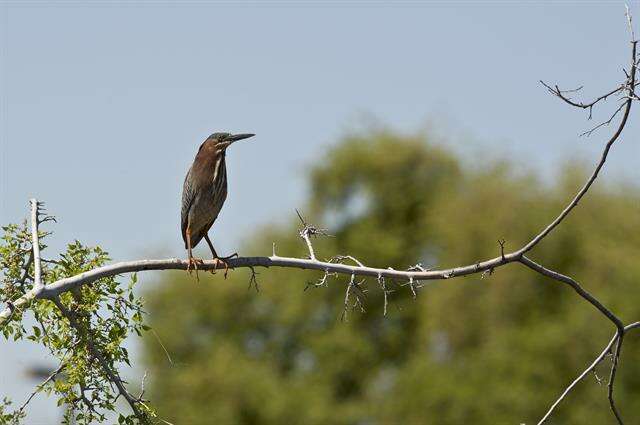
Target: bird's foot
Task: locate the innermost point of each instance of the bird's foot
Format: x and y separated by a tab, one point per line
192	264
224	261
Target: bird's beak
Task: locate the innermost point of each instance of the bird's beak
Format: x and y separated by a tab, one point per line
235	137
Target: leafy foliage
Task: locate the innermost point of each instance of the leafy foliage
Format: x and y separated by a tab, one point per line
478	350
105	313
9	417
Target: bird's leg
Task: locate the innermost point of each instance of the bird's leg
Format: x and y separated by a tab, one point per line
213	251
217	258
192	262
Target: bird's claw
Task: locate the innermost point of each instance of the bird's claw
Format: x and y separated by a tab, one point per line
224	262
192	264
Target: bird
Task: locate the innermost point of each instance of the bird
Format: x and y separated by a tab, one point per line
204	192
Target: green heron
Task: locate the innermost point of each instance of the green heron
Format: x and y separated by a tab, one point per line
204	192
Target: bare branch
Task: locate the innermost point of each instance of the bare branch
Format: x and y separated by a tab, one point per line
353	288
37	277
385	292
589	369
346	298
576	286
341	258
627	109
627	14
63	285
322	281
606	312
561	94
604	123
52	290
418	267
306	232
253	281
144	377
612	376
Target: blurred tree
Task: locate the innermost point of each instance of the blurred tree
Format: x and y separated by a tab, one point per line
492	350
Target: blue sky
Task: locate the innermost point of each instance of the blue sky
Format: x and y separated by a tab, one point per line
104	104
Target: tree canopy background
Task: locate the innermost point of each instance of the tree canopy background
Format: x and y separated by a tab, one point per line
492	349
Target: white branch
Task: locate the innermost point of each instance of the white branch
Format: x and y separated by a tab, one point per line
37	264
304	234
52	290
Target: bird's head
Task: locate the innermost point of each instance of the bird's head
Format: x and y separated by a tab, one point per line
223	140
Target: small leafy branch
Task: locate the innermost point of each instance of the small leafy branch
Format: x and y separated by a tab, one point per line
82	329
83	314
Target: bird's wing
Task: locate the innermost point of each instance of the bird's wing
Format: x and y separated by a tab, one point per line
188	195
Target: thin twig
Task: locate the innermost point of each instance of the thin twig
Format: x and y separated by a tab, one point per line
40	386
602	124
612	377
343	316
140	397
383	286
166	352
307	231
627	14
589	105
253	281
341	258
